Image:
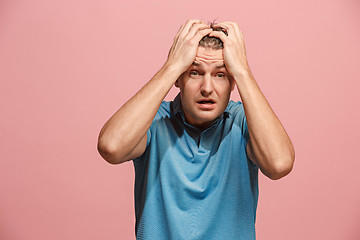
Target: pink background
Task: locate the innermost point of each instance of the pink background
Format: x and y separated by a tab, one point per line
67	66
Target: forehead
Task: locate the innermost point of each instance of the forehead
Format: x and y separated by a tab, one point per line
208	56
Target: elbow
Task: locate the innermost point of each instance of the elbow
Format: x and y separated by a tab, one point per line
282	165
282	168
279	172
109	153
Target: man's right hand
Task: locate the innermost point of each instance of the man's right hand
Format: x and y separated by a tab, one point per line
183	51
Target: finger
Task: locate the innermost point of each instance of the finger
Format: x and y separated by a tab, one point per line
200	34
195	28
236	28
179	31
187	27
220	34
227	27
182	29
232	30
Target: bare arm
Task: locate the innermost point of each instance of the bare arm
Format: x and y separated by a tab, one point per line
269	145
123	137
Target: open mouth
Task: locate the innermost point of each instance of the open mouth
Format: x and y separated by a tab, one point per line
207	101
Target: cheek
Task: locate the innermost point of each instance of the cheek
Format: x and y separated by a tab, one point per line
191	85
223	86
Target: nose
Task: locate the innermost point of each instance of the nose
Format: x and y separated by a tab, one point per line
207	85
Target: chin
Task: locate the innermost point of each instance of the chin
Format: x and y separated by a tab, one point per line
207	117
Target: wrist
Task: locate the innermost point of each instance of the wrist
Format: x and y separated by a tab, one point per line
243	75
172	69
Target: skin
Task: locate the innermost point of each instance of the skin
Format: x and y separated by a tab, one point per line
204	80
269	146
123	137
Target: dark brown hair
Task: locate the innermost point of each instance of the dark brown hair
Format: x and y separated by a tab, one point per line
213	42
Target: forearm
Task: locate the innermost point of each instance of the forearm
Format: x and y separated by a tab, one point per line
123	137
271	146
125	129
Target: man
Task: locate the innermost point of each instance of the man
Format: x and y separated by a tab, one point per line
196	158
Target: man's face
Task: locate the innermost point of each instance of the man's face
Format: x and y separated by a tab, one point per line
205	88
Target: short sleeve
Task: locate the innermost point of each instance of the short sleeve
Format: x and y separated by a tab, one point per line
148	138
246	135
245	130
163	112
238	109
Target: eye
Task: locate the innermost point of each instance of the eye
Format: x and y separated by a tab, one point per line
220	75
194	73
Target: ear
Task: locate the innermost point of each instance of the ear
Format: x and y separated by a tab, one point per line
177	84
232	83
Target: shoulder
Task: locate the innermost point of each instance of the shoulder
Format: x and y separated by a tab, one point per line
164	110
235	108
232	105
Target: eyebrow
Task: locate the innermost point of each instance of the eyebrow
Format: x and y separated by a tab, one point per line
198	65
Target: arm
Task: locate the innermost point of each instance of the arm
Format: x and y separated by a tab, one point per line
123	137
269	146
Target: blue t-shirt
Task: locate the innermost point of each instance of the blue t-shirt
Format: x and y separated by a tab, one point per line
192	184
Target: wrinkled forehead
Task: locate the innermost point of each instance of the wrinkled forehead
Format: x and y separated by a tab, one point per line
209	56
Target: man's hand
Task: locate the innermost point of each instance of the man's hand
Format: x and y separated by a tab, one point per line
183	51
234	49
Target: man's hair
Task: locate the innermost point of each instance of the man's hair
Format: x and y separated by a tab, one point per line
213	42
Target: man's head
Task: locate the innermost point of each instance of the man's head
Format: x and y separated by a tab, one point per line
205	86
